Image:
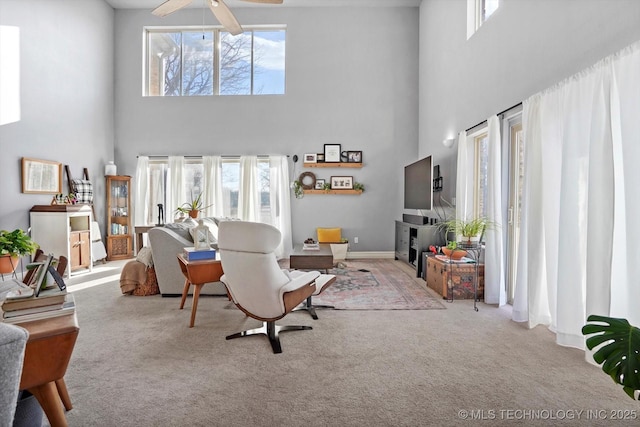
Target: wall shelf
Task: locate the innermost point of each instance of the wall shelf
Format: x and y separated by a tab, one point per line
333	192
333	165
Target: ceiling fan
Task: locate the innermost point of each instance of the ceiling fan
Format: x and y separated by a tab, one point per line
218	7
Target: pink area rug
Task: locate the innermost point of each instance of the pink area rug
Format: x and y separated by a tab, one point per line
376	284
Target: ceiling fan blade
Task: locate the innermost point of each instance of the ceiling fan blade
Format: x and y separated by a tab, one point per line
265	1
170	6
225	17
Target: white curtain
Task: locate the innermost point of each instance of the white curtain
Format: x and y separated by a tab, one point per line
464	176
212	193
494	278
249	194
175	186
580	193
280	202
140	192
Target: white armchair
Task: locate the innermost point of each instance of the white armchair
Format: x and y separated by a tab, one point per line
255	281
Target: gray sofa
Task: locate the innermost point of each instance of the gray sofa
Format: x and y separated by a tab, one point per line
13	341
166	243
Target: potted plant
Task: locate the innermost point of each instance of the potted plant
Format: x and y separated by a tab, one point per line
13	245
469	231
193	207
452	251
298	191
339	250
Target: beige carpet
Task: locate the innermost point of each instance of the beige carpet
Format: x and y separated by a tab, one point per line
137	363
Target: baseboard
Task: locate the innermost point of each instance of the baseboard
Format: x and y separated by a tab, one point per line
371	255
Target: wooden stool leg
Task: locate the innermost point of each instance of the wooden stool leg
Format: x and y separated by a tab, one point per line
49	399
196	295
64	394
185	291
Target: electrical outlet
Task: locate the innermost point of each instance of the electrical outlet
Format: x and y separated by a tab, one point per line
355	240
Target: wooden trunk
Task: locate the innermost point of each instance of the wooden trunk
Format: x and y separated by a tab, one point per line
462	276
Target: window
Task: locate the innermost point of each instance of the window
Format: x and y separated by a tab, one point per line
201	62
193	174
478	11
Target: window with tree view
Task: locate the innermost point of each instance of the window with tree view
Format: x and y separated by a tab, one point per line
197	62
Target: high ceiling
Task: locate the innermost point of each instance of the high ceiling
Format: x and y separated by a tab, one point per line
151	4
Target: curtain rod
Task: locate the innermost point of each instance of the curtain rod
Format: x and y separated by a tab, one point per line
499	114
159	156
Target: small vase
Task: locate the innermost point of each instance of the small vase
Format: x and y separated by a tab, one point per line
110	169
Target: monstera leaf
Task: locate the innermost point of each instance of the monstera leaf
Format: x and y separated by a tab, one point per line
620	354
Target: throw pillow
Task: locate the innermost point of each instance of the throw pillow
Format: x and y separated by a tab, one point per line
182	228
329	235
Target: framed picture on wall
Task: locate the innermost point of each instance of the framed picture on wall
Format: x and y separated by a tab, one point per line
332	153
354	156
342	183
310	158
41	176
319	184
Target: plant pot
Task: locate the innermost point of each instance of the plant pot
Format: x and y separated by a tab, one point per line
339	251
8	264
455	254
194	213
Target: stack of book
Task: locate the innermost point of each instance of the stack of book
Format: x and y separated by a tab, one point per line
191	254
37	299
49	303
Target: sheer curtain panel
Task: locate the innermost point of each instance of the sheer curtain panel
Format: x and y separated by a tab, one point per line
580	198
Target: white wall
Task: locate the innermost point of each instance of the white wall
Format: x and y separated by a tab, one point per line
351	78
526	46
66	73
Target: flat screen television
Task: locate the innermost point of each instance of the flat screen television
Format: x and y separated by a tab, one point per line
418	185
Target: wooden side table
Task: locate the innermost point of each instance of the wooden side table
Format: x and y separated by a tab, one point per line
49	347
197	273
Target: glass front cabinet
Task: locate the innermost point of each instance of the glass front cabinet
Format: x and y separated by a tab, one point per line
119	230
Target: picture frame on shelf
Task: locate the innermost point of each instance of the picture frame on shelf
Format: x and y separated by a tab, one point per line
311	158
41	176
354	156
332	153
342	183
320	157
320	184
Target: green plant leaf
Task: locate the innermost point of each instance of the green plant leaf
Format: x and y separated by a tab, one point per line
619	351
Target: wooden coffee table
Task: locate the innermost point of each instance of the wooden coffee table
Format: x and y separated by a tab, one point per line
320	259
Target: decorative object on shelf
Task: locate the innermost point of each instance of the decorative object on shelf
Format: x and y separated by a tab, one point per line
160	214
193	207
358	186
13	245
41	176
61	199
619	355
344	156
342	183
307	180
110	169
468	232
332	153
354	156
320	184
326	186
320	157
311	158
